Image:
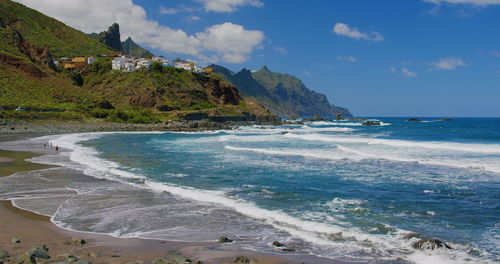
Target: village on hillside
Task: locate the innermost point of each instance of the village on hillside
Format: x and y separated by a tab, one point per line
128	63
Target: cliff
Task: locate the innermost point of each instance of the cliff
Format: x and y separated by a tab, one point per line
283	94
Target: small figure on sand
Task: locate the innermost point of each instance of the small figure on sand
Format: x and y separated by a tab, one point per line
57	148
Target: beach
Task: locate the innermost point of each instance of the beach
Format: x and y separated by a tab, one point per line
318	192
34	230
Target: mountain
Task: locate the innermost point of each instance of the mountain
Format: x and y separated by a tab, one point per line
131	48
30	81
110	37
283	94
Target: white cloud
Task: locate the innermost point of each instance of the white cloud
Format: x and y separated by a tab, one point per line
230	41
194	18
281	50
449	63
307	73
168	11
228	5
227	42
345	30
408	73
347	58
467	2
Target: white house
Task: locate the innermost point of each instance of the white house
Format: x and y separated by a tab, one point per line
90	60
160	59
129	66
143	63
118	63
188	66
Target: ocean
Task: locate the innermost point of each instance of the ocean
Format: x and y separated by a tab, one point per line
334	189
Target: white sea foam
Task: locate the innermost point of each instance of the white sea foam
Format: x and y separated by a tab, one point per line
465	147
307	153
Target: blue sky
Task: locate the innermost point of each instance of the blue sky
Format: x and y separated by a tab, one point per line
378	58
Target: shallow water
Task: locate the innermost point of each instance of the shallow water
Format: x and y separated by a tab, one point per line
333	189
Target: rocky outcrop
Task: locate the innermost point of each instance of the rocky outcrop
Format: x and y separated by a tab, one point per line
220	91
110	37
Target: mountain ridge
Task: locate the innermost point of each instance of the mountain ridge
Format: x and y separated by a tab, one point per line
282	94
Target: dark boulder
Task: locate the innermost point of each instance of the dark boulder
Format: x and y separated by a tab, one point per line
278	244
429	243
241	259
4	254
40	252
78	241
224	239
414	120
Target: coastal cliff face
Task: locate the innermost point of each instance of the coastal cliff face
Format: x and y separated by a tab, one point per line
283	94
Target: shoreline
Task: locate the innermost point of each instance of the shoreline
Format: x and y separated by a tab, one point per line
136	250
58	127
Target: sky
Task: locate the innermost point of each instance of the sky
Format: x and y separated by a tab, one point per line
378	58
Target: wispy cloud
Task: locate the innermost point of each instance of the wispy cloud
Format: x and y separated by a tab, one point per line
347	58
354	33
228	5
465	2
449	63
307	73
408	73
495	53
281	50
168	10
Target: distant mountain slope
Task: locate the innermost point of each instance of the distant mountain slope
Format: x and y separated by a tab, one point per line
283	94
43	31
132	48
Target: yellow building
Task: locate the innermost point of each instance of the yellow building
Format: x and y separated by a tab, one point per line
208	69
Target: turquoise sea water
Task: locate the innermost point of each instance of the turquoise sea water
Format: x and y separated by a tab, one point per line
333	189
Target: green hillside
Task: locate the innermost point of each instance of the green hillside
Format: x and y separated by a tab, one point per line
43	31
31	82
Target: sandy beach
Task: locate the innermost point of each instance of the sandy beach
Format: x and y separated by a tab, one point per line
35	230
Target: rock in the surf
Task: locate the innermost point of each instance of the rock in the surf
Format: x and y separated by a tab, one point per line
429	243
224	239
278	244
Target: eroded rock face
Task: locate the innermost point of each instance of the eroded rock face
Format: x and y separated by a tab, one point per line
221	91
17	63
111	37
